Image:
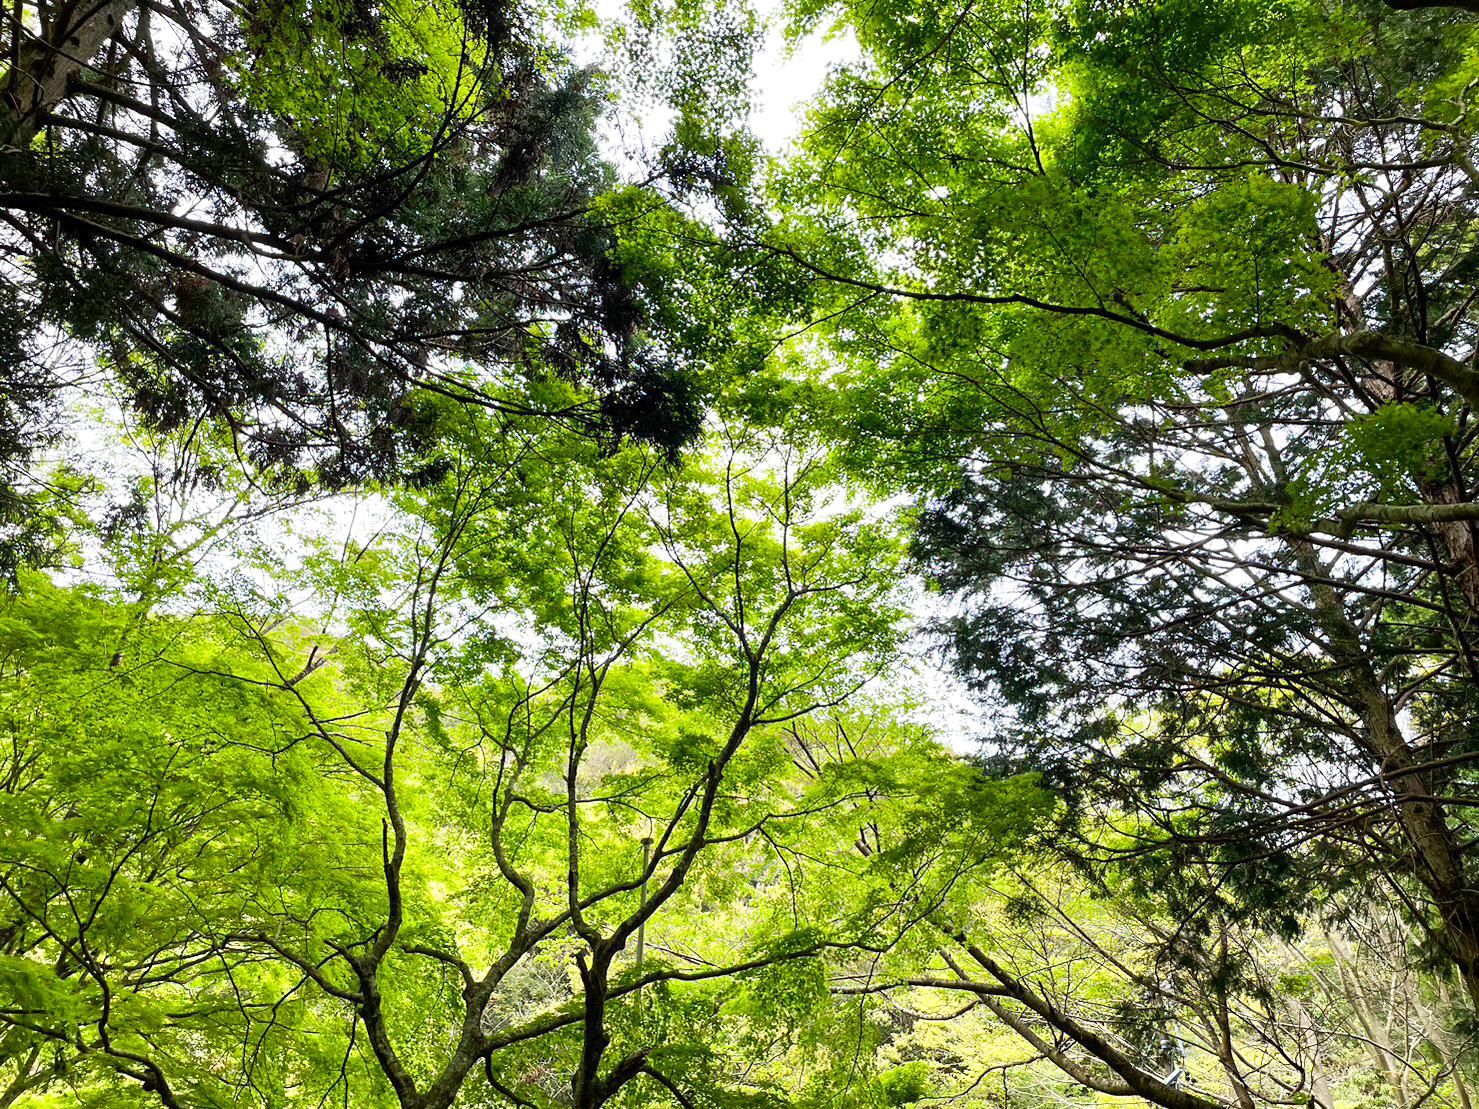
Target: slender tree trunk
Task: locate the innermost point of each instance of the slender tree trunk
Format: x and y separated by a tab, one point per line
1452	1052
1226	1050
1434	858
1319	1081
586	1085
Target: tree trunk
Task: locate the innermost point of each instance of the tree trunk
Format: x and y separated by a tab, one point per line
1433	857
47	62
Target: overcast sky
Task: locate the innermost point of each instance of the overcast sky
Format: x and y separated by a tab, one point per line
786	79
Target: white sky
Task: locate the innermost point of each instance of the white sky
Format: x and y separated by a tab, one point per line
786	78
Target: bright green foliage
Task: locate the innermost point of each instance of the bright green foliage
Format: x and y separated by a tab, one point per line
417	768
1129	293
152	803
358	87
565	757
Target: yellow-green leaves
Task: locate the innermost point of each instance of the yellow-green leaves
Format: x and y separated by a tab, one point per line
359	87
1247	253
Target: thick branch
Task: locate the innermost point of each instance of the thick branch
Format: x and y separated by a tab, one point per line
1462	378
1142	1084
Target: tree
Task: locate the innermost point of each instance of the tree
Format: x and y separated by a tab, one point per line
1046	986
293	225
382	843
1168	308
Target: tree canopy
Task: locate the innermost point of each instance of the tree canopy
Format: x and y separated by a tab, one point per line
292	224
1166	309
975	606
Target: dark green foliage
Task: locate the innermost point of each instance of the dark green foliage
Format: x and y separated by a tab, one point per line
292	227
